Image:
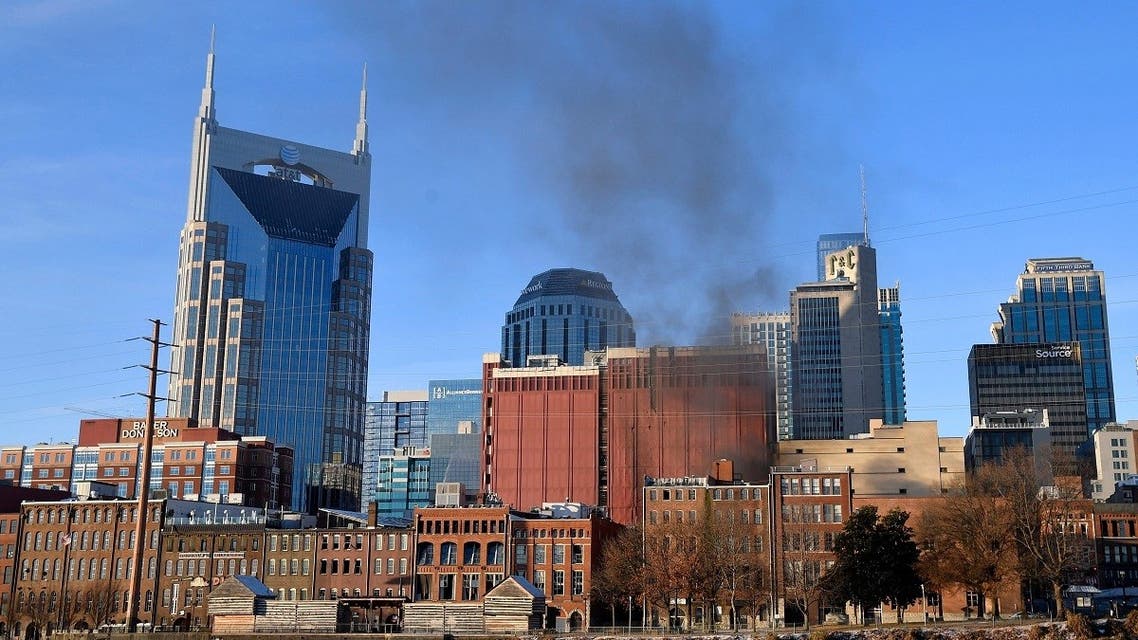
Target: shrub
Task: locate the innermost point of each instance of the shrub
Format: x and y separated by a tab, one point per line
1037	632
1130	625
1079	626
818	634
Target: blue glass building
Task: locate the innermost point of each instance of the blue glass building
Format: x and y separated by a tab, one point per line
565	312
1061	300
393	425
452	402
454	422
892	355
273	303
403	483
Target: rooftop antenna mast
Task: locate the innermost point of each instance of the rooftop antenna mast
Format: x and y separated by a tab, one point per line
864	204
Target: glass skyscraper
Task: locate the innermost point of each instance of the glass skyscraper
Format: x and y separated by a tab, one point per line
393	425
1061	300
892	355
1040	376
563	313
772	330
273	303
454	422
452	402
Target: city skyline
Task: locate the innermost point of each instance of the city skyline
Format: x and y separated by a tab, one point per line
962	191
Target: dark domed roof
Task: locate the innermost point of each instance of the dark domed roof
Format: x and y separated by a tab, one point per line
568	282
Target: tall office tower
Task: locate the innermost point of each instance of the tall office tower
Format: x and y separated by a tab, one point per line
836	354
392	425
454	419
1060	300
772	330
563	313
892	355
1043	377
830	242
273	302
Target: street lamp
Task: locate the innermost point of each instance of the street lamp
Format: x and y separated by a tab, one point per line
924	604
630	613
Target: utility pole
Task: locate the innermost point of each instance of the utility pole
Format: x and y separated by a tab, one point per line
140	539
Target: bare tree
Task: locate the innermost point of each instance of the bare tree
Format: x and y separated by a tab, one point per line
734	555
663	575
804	562
964	540
1050	516
102	602
619	578
38	609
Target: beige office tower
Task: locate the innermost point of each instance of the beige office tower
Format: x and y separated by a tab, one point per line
273	303
836	353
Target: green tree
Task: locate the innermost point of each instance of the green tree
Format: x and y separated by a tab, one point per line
875	561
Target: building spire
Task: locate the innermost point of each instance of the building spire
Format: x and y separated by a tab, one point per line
360	147
864	204
207	112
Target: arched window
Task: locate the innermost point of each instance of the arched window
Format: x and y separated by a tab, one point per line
495	553
425	554
471	553
448	553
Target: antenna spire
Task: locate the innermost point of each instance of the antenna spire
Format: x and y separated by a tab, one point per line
207	112
360	146
864	204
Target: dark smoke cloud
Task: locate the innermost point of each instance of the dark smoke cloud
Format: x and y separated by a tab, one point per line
660	142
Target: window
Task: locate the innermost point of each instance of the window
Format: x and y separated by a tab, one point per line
558	583
470	587
520	554
539	580
446	586
559	553
425	554
539	553
448	553
578	582
495	553
471	553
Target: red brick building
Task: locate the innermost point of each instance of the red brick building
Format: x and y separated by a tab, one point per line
74	563
188	462
463	553
591	433
10	500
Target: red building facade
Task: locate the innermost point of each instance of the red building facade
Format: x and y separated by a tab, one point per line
591	433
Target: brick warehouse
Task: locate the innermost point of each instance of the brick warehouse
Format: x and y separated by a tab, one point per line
591	433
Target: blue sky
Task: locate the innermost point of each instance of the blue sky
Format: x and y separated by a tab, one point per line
692	152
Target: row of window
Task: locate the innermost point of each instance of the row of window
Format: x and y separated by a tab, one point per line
471	553
521	553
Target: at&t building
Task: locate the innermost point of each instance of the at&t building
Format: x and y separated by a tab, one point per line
273	299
